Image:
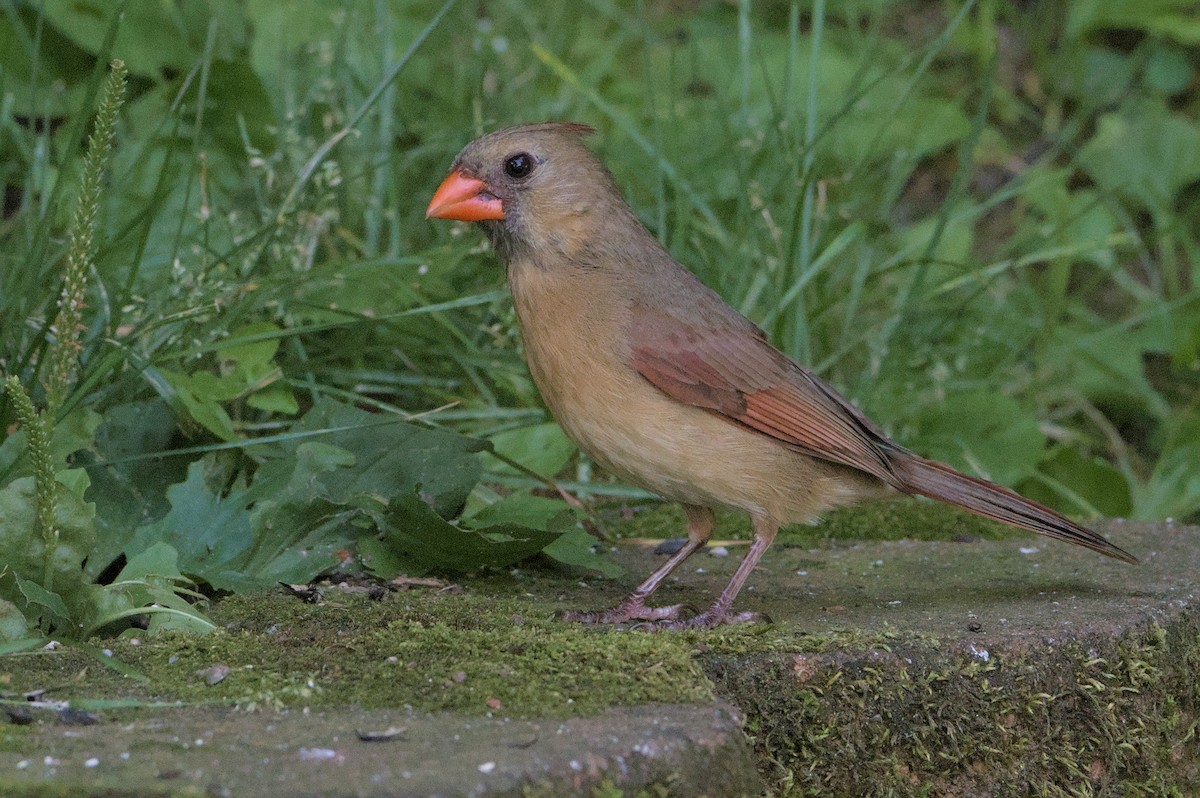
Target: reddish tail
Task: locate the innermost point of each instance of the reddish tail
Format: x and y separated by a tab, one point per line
939	481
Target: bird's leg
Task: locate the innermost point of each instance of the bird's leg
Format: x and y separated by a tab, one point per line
764	533
700	527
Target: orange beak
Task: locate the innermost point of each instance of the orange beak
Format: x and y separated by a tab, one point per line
464	199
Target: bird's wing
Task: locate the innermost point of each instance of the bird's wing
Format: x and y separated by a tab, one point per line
728	368
732	370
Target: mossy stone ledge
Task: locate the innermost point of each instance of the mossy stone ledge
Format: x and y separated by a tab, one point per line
952	660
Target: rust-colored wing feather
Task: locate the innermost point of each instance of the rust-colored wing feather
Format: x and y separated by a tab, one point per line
730	369
736	373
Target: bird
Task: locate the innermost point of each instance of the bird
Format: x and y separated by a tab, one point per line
669	388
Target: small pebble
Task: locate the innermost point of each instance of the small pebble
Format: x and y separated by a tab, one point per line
213	674
487	767
670	546
719	551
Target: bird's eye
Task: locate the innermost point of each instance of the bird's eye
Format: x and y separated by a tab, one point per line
519	166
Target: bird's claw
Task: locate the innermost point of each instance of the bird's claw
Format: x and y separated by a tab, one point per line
626	611
659	619
709	619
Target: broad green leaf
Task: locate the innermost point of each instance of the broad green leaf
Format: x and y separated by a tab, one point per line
1144	152
37	596
58	62
1175	19
526	509
251	357
207	531
1173	489
285	32
1073	478
290	535
130	494
22	542
573	547
986	434
1077	220
201	395
577	547
1168	68
152	580
542	448
415	540
238	110
13	625
1106	366
393	457
153	37
275	398
71	433
254	367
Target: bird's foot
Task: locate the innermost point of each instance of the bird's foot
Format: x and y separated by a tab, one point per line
709	619
631	609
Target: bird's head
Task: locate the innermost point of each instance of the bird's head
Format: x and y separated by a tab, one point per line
533	188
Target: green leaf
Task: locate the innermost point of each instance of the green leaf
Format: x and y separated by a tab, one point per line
151	37
1077	220
38	596
542	448
275	398
1168	68
1107	366
201	395
1070	480
13	625
982	433
236	101
392	458
207	531
1128	152
416	540
57	62
152	580
251	357
130	494
1176	19
25	549
577	547
1173	489
73	432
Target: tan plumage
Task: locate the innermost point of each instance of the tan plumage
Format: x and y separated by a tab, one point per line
664	384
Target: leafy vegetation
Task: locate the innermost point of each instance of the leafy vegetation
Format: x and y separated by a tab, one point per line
978	219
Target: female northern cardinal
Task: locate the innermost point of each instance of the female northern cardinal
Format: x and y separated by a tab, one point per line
665	385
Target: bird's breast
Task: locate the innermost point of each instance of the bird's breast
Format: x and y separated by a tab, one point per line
576	334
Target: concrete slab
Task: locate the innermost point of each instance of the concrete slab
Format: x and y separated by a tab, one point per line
907	667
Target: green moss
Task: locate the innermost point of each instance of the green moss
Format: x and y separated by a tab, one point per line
471	652
14	738
1101	716
828	711
883	520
